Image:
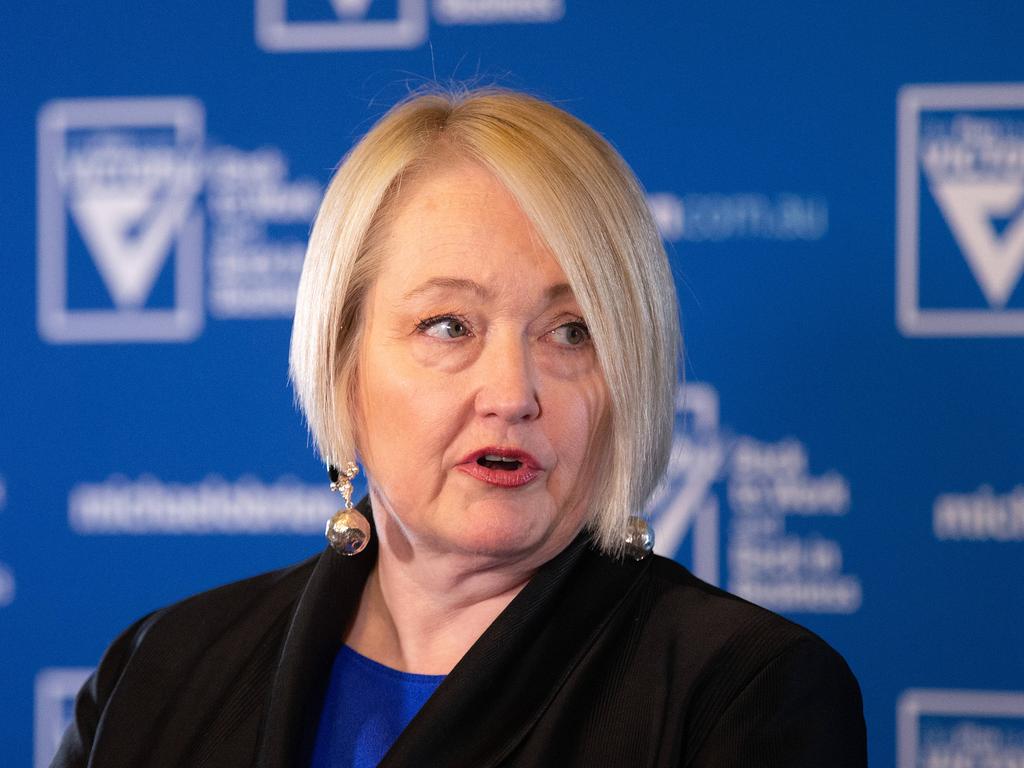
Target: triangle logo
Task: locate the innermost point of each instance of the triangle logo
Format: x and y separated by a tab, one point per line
129	232
970	207
351	8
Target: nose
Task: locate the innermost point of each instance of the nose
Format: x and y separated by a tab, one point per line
507	381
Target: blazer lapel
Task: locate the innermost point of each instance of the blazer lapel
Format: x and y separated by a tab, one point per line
496	693
321	618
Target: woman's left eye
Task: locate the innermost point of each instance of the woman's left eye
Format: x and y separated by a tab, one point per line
573	334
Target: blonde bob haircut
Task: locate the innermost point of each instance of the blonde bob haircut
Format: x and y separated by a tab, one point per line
592	214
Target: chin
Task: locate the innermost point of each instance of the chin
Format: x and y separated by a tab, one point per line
499	529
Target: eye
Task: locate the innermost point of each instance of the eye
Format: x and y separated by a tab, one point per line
574	334
443	327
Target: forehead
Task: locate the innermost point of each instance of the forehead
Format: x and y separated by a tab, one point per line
460	222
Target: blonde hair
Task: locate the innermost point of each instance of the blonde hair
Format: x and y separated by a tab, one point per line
592	214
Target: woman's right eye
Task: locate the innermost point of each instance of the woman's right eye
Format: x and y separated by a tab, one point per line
443	327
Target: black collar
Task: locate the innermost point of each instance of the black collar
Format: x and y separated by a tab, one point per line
492	697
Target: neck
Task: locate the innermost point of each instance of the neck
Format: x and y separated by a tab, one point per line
421	609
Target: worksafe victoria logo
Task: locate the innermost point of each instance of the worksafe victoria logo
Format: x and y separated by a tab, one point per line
960	210
146	229
960	729
361	25
304	25
120	245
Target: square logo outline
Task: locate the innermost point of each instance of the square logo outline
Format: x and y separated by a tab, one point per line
58	324
910	318
276	34
915	702
52	686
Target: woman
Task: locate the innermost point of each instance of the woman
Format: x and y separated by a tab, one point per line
486	320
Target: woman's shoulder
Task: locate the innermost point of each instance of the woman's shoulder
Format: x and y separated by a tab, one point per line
214	609
684	603
716	635
215	636
176	635
744	660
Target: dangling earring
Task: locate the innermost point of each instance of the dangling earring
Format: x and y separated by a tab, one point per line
347	531
639	537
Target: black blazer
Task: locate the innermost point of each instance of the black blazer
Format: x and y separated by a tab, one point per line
597	662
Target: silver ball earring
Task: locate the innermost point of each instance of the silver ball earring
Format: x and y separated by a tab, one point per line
639	537
347	530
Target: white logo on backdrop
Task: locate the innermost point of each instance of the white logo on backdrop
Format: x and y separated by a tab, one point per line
983	515
7	586
684	502
498	11
213	505
122	187
965	729
762	484
55	692
714	217
126	174
353	24
968	142
352	27
248	194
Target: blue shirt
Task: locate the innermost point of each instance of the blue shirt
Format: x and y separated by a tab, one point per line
367	706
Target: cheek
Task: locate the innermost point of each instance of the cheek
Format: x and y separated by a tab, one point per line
407	418
578	420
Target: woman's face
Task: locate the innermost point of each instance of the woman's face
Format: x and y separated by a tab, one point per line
479	396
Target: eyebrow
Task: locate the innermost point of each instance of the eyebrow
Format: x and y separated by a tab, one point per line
556	291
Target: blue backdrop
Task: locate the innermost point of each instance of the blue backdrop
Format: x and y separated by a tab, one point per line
841	187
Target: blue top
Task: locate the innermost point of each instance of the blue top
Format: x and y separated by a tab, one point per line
366	707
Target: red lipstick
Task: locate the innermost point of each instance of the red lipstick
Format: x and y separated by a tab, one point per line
503	467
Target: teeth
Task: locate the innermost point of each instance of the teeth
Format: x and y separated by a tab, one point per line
494	457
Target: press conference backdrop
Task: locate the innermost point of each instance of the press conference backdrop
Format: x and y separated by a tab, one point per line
841	190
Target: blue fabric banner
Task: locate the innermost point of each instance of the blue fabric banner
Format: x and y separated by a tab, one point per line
841	188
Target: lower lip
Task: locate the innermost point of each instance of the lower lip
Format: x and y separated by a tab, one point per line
503	478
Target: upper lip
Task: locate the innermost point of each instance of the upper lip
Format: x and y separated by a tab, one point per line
505	453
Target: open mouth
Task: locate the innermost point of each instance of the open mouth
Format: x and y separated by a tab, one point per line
504	467
492	461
